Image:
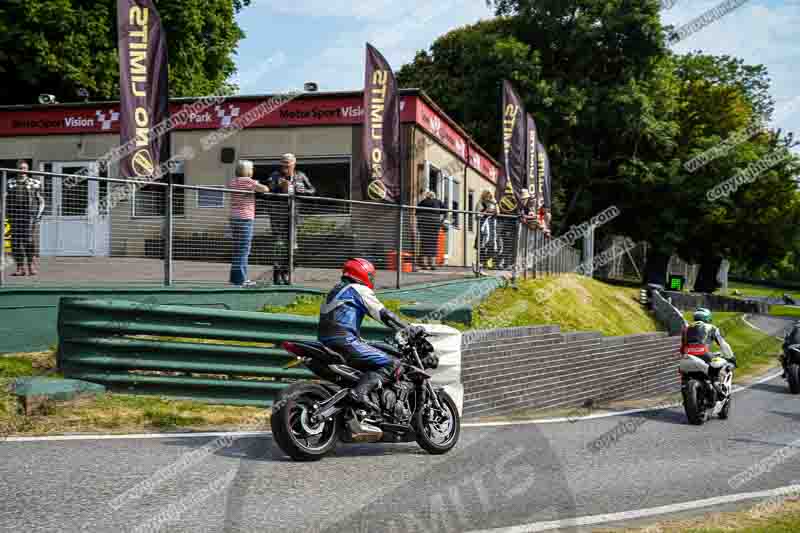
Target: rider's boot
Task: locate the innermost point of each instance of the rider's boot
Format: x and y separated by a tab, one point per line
360	393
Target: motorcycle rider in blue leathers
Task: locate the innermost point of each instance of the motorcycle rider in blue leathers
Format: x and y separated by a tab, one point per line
340	319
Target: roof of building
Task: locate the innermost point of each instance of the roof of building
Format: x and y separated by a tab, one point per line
429	116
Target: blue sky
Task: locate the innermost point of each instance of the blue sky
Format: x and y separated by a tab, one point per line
290	42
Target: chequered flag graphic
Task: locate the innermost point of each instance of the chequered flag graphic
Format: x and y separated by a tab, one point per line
106	119
226	114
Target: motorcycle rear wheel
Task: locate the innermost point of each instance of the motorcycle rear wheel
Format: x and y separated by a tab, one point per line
292	429
437	435
793	376
691	403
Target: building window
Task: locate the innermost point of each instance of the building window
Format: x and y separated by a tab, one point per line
151	200
210	199
471	207
435	182
456	203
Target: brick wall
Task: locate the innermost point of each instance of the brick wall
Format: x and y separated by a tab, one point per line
540	368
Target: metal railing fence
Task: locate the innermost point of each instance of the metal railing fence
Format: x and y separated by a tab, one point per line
76	229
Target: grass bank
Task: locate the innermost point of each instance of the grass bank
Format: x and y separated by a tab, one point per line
770	516
751	289
573	302
111	413
785	310
309	306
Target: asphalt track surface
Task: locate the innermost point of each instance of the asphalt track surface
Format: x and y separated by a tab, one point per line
496	477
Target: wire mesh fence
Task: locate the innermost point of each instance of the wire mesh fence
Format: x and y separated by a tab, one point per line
545	255
626	261
68	228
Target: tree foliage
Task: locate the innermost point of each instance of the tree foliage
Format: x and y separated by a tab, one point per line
61	46
620	116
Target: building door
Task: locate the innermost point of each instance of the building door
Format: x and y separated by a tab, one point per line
73	224
448	191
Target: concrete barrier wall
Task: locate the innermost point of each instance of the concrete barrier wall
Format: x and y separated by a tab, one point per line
667	314
541	368
715	302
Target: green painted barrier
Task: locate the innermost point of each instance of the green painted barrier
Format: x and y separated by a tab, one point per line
154	349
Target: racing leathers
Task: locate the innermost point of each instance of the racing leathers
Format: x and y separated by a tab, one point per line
340	319
706	334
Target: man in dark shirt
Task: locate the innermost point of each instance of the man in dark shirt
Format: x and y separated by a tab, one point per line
429	223
25	206
287	180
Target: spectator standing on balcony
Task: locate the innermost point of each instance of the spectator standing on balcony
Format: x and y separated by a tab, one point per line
289	180
487	239
243	214
25	206
428	225
286	180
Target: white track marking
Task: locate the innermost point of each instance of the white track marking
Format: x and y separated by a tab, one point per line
137	436
643	513
744	319
465	425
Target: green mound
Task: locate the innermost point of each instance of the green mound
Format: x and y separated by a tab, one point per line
573	302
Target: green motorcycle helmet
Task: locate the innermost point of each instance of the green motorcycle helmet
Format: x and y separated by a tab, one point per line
701	314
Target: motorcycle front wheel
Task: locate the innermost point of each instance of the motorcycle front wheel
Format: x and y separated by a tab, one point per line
691	403
437	432
292	428
793	376
726	409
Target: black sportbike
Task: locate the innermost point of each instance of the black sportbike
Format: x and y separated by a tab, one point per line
791	367
309	419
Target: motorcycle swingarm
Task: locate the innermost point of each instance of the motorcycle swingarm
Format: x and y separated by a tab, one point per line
328	408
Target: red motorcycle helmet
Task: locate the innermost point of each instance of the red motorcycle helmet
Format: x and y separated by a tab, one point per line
360	271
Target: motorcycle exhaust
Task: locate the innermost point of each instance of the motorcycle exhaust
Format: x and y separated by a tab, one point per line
363	432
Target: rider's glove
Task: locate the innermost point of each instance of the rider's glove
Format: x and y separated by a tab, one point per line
392	320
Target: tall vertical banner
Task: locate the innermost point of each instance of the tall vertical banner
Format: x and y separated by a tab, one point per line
543	187
531	157
513	177
144	87
380	173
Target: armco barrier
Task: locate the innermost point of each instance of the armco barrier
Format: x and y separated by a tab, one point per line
153	349
667	314
540	367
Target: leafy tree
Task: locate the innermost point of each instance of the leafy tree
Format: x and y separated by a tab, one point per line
621	115
582	69
61	46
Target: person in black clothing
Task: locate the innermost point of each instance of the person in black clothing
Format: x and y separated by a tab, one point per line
287	180
428	225
25	207
486	239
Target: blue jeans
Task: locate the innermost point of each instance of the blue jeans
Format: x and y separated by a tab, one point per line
242	239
